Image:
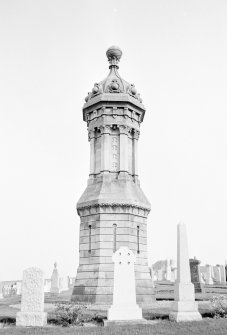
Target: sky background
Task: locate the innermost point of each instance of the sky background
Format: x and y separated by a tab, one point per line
51	54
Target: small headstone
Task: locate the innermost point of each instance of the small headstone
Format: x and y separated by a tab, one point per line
55	280
217	274
223	274
124	305
32	301
209	277
184	308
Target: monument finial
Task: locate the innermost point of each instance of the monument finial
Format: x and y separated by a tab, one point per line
114	54
55	265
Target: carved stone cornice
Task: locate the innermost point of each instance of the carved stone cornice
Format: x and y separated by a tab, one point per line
113	208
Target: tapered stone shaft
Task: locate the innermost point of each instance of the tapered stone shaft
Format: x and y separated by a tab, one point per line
184	307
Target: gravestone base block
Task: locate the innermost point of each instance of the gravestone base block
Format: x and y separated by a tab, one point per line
34	319
185	311
124	312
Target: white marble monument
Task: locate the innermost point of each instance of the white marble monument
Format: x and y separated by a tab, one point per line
55	280
124	305
184	308
32	301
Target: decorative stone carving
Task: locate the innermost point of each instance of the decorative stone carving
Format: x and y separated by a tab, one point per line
124	129
114	83
136	134
114	87
91	134
131	90
114	55
32	302
105	129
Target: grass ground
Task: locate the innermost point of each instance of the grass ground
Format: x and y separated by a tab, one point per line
205	327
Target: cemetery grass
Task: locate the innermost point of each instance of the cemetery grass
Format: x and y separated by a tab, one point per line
206	326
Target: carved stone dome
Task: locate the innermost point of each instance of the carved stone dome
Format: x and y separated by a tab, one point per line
113	83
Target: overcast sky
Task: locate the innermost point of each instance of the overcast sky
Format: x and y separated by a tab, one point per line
51	54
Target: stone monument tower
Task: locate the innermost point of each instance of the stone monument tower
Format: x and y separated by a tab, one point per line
113	209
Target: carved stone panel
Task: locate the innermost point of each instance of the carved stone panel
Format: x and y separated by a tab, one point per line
115	156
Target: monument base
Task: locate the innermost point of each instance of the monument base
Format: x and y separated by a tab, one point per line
34	319
185	311
110	323
185	316
124	312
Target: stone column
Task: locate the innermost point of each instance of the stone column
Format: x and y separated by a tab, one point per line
184	308
135	155
91	137
123	149
105	149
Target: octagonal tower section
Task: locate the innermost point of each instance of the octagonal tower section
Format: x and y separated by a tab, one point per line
113	209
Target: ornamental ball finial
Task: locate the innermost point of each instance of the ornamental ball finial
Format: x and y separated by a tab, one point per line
114	54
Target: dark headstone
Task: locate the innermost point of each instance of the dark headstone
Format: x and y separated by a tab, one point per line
195	277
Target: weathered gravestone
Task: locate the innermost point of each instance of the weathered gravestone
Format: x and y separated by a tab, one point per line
195	275
124	305
184	308
217	274
32	301
223	274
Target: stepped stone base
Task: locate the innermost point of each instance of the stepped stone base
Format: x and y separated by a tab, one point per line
34	319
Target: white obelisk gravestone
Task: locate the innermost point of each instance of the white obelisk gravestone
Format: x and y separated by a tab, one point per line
184	308
124	292
32	301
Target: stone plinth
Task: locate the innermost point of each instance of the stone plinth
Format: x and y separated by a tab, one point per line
184	308
32	301
124	289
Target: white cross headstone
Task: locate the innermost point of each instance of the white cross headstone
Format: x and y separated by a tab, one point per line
124	305
184	308
32	301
